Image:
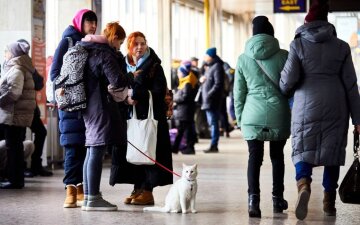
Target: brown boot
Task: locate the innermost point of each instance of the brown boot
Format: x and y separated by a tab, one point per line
145	198
79	194
135	193
304	192
329	203
70	200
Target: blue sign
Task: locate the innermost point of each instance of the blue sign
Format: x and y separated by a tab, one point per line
289	6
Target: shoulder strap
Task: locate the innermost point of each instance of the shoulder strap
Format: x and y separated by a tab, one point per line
267	74
70	42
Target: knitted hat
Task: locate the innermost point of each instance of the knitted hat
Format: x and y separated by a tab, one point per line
18	48
185	67
261	25
318	11
211	52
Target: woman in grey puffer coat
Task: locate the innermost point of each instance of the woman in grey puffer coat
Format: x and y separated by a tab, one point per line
17	104
320	73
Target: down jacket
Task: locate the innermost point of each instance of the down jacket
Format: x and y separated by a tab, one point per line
261	110
320	73
17	93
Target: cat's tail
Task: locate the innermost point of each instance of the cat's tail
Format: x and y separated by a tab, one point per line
155	209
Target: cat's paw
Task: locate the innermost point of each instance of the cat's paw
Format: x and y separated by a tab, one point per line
193	211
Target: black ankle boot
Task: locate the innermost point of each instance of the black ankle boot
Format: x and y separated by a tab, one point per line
254	206
279	204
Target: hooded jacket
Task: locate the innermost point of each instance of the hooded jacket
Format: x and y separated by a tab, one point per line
17	92
71	124
320	73
262	112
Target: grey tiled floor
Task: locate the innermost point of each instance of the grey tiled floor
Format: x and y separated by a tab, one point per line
221	199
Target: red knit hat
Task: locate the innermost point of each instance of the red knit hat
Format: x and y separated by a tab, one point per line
318	11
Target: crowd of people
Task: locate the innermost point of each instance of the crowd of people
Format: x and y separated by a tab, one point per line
317	73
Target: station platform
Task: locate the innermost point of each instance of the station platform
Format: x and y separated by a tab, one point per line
221	198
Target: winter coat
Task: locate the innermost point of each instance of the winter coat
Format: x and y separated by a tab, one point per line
320	73
184	98
152	79
212	89
261	110
71	124
103	121
17	92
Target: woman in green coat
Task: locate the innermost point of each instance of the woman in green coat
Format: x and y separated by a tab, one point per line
261	111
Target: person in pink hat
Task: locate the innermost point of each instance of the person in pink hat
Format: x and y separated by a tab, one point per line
71	124
320	74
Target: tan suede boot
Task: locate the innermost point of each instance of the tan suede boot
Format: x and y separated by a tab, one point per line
70	200
145	198
79	194
329	203
304	191
135	193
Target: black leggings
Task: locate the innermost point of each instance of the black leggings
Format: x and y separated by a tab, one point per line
256	154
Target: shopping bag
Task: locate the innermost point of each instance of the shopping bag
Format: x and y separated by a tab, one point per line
349	190
143	135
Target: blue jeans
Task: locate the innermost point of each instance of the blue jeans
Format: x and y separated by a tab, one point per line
73	165
330	176
213	121
92	169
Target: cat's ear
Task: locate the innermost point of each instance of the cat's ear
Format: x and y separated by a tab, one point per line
195	166
184	165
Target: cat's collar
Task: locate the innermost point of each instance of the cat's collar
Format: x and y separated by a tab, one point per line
190	180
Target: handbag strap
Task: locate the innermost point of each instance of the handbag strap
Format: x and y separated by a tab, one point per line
267	75
356	144
151	108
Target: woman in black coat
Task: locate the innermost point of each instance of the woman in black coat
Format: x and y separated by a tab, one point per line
149	76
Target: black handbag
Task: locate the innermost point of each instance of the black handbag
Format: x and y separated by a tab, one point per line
349	190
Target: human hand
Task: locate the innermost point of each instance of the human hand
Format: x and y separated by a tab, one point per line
202	79
130	101
357	129
137	73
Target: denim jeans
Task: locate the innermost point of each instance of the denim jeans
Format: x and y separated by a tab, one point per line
213	121
256	155
73	165
92	169
330	176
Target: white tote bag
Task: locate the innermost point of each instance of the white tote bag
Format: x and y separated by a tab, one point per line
143	135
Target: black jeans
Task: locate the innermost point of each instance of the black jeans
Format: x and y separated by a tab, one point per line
14	137
38	128
256	154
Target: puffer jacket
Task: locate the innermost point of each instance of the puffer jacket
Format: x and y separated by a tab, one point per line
17	92
320	73
261	110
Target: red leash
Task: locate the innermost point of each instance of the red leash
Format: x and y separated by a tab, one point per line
154	161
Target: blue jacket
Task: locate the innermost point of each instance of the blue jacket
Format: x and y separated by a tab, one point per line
71	124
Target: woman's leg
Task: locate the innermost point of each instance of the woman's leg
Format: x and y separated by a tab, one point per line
278	171
303	178
94	169
256	154
330	179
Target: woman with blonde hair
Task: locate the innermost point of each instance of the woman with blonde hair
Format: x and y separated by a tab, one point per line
149	76
102	116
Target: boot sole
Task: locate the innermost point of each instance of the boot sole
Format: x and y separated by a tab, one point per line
142	203
72	205
79	203
255	214
301	208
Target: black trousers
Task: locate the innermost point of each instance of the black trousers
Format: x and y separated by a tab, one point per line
38	128
14	137
256	154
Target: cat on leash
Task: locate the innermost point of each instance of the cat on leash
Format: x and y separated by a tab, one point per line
181	196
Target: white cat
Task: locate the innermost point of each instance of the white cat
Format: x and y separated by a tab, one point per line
181	196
